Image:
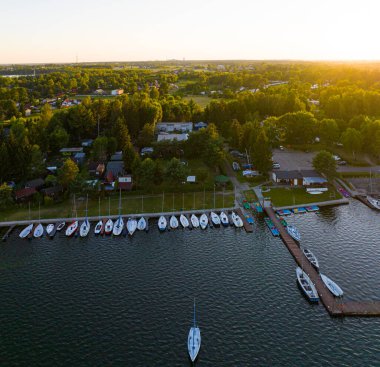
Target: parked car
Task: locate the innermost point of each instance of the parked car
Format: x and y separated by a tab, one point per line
342	163
276	165
281	147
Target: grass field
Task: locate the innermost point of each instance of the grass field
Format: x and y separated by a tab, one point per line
295	196
202	101
130	205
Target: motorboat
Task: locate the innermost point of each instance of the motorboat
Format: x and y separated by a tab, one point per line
236	220
99	227
72	228
162	223
141	224
26	231
374	202
84	228
194	340
307	285
215	219
50	229
203	221
108	227
184	221
173	222
38	231
293	232
224	219
311	257
131	226
60	226
332	286
118	226
194	221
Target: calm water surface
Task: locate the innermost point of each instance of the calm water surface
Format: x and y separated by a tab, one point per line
128	302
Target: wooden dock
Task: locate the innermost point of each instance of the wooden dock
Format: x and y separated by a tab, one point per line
247	226
333	305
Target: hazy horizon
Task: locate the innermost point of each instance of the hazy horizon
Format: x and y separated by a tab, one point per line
126	31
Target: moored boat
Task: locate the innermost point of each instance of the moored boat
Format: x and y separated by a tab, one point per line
307	285
299	210
203	221
118	226
194	340
294	232
311	257
184	221
271	227
162	223
173	222
131	226
99	227
224	219
38	231
72	228
50	230
238	223
194	221
215	219
141	224
26	231
60	226
108	227
332	286
249	219
84	228
374	202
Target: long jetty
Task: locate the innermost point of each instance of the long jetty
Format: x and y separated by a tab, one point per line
334	306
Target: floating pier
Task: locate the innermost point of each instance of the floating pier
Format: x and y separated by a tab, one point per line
247	226
333	305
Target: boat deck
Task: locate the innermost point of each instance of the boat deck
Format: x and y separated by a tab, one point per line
334	306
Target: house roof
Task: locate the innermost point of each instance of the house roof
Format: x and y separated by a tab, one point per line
118	156
51	191
25	193
36	183
71	150
172	137
115	167
290	175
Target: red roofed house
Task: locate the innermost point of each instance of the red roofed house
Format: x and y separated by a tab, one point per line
125	182
24	194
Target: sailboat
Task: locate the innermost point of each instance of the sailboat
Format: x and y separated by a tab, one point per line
215	219
194	340
119	224
203	221
294	232
73	226
224	219
39	229
26	231
131	226
50	230
184	221
162	223
194	221
99	226
85	226
236	220
173	222
141	224
109	224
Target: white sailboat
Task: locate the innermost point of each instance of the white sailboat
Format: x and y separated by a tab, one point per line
119	224
50	229
109	224
131	226
236	220
293	232
173	222
162	223
85	226
332	286
26	231
224	219
73	226
215	219
203	221
39	230
141	224
194	221
184	221
194	340
99	226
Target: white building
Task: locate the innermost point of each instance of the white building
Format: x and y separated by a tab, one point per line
172	137
170	127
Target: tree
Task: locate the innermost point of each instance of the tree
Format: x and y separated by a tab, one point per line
58	138
262	153
352	140
146	173
100	148
328	131
298	127
146	136
325	163
175	171
5	196
68	173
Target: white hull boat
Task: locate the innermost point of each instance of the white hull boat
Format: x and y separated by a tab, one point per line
374	202
108	227
194	221
141	224
203	221
162	223
184	221
173	222
49	229
332	286
99	227
311	257
224	219
38	231
84	228
238	223
294	232
26	231
215	219
60	226
118	226
131	226
72	228
194	340
307	285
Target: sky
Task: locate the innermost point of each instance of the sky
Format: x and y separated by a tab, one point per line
47	31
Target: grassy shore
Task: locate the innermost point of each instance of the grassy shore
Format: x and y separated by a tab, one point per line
130	205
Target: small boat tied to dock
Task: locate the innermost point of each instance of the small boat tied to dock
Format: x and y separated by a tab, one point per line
332	286
271	227
307	286
294	232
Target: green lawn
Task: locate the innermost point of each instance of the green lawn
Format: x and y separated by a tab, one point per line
295	196
130	204
202	101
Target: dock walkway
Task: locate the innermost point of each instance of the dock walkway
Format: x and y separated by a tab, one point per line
334	306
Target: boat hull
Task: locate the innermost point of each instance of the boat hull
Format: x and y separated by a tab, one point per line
26	231
162	223
118	227
332	286
131	226
98	228
307	286
194	343
184	221
71	229
38	231
141	224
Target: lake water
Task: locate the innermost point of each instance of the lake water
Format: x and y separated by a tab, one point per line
129	302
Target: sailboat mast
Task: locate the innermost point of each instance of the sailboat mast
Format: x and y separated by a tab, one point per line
194	312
